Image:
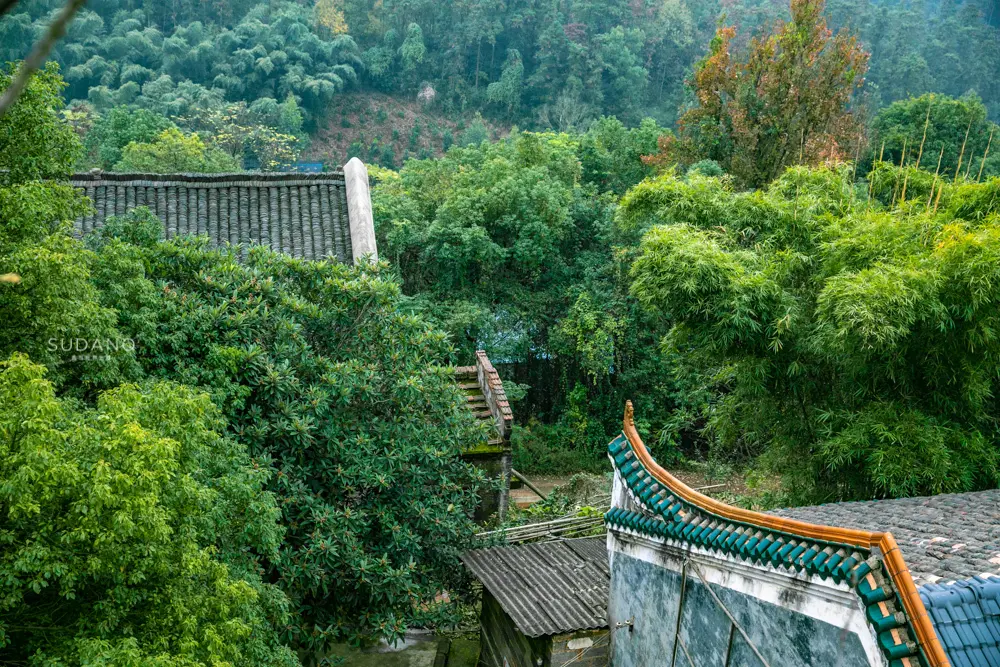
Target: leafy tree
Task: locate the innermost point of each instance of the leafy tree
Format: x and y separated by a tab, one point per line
120	127
131	531
845	344
330	16
34	142
788	101
507	247
319	372
947	121
475	134
238	131
413	51
507	91
611	154
171	152
52	306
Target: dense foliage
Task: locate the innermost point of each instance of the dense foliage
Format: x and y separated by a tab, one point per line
132	531
313	368
551	66
176	62
510	247
321	376
848	343
53	304
955	129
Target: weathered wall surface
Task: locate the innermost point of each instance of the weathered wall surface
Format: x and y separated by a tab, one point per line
501	641
649	593
586	648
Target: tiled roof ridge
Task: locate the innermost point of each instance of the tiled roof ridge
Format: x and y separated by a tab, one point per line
882	581
97	176
495	393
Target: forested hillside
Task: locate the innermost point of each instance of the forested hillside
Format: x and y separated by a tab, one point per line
538	64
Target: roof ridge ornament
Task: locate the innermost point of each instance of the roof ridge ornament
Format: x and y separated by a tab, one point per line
628	421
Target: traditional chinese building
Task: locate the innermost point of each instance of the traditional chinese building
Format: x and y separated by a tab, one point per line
307	215
899	583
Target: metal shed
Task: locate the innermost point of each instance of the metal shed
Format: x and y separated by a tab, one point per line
544	604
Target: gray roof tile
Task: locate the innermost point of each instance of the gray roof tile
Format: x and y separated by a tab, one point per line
304	215
549	587
943	538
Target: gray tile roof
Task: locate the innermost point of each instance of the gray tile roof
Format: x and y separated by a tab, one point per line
304	215
943	538
547	588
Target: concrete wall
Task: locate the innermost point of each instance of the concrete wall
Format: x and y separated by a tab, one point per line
792	623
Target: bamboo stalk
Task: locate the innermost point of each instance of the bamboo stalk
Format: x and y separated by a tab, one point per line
961	154
983	163
968	169
871	181
927	121
936	172
854	172
902	159
528	483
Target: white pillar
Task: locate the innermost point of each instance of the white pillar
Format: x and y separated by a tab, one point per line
359	211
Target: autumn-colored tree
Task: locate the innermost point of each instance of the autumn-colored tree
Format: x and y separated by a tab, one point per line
330	16
787	101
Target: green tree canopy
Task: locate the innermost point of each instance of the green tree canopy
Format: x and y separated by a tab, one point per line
52	305
788	100
131	530
847	344
320	373
171	151
947	121
510	248
120	127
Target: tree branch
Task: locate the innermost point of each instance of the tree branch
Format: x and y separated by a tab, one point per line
38	53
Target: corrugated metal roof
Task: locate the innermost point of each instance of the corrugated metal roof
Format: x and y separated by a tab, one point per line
547	588
303	215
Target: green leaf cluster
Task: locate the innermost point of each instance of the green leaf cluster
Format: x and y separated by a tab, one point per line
132	532
319	372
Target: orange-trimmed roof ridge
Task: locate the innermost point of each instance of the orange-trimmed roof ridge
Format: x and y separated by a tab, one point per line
892	557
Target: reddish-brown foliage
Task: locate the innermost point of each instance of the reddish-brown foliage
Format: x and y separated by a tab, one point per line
787	102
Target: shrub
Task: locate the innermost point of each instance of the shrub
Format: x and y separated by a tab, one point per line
131	531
